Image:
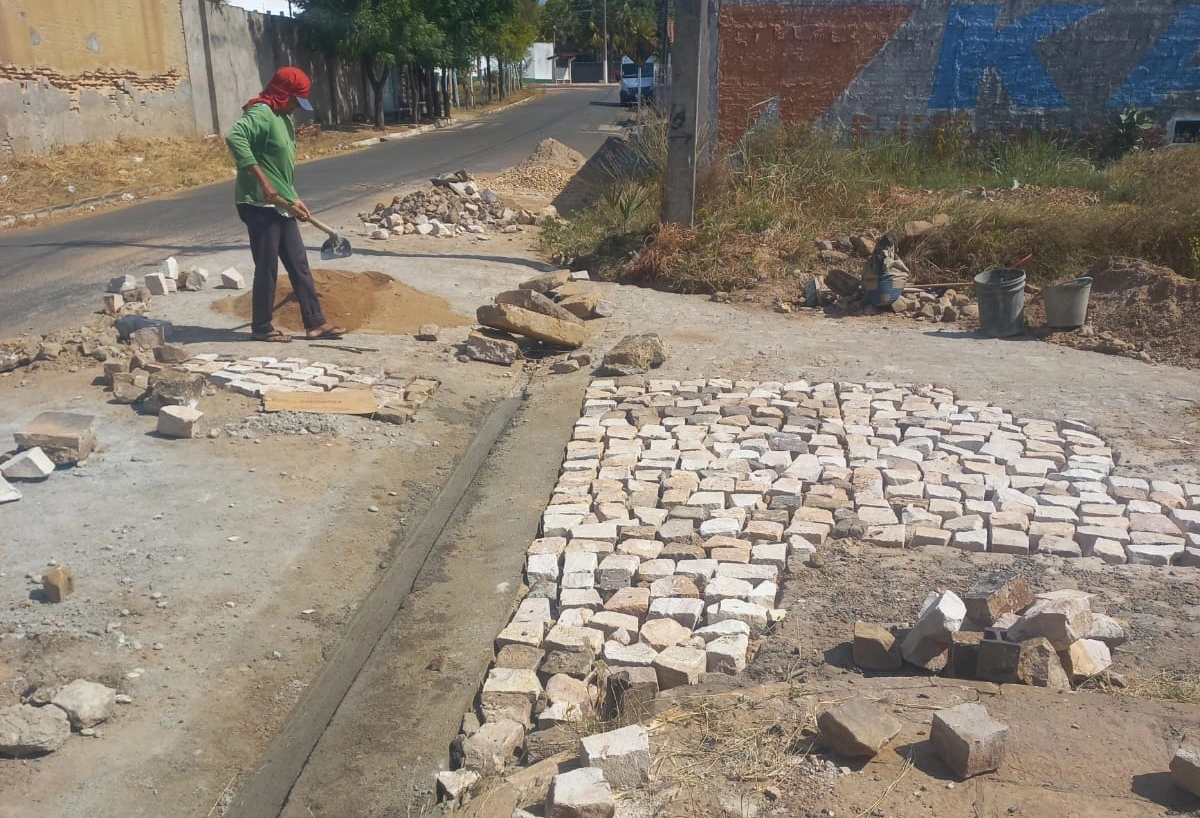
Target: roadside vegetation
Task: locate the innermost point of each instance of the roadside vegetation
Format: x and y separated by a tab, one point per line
767	199
77	173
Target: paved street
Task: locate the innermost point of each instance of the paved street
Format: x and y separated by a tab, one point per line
53	275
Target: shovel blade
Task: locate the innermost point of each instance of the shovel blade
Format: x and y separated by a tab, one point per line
335	248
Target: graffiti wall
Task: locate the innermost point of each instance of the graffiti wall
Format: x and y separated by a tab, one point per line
895	67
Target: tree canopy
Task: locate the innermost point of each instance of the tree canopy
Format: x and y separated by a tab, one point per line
427	34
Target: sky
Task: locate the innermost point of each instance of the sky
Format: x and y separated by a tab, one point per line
273	6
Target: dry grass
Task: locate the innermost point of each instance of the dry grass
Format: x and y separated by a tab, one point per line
761	209
1183	688
714	739
78	173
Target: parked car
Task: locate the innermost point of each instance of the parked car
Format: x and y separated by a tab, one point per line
632	80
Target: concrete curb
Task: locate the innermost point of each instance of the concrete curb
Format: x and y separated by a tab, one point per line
16	220
284	759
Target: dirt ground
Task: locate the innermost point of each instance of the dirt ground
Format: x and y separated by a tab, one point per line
148	515
368	302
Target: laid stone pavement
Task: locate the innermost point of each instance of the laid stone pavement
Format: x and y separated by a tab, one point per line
681	505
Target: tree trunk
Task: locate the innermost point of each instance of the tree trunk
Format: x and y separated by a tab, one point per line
331	116
446	92
376	91
489	79
416	96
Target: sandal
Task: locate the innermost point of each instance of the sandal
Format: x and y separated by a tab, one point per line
274	336
327	332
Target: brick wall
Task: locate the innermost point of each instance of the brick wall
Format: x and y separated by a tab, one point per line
890	67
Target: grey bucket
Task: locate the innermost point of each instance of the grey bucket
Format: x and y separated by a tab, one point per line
1067	303
1001	297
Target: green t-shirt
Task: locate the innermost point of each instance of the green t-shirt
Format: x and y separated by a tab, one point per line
267	139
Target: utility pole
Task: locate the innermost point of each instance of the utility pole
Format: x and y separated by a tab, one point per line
606	42
691	83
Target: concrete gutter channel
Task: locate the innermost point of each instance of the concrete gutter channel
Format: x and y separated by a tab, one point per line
450	586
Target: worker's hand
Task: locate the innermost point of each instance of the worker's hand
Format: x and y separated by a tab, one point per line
301	210
272	197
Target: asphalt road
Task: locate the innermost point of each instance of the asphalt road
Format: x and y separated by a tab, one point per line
54	275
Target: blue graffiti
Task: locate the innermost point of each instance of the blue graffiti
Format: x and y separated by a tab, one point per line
972	44
1167	68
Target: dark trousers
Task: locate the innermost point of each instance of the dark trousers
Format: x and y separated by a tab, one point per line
274	237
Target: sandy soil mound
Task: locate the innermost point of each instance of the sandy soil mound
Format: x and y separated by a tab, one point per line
361	302
1148	306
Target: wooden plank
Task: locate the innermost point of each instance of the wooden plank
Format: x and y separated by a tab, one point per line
337	402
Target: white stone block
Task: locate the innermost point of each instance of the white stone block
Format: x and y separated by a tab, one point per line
623	755
178	421
31	464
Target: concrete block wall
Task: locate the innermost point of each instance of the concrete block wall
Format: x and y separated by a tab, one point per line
862	66
94	71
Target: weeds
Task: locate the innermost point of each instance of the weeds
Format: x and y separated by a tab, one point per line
760	210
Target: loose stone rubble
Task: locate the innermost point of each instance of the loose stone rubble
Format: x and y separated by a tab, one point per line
1002	634
452	206
397	397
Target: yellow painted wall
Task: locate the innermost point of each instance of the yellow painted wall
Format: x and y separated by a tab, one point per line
74	37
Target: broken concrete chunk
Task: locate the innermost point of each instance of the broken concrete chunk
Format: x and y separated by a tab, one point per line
547	281
178	421
31	464
172	354
85	703
492	350
634	355
32	731
581	305
156	283
58	583
453	784
992	597
532	325
171	387
231	279
1040	666
127	325
1061	620
875	648
678	666
622	755
1086	658
536	302
493	747
509	694
857	728
64	437
968	740
1185	769
927	645
122	284
581	793
8	492
428	332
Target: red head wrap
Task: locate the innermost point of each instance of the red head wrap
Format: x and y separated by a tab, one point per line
287	83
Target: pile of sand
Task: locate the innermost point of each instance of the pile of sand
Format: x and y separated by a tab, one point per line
360	302
545	172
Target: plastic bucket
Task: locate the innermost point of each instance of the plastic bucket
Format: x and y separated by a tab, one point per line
1067	303
1001	297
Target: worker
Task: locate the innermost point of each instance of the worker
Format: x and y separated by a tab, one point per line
263	144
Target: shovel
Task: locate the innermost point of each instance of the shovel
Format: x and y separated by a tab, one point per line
335	246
